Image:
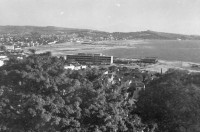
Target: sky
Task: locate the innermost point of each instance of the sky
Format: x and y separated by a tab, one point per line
173	16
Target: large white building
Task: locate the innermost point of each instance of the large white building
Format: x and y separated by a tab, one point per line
83	58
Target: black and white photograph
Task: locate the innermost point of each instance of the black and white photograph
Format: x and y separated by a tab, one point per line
99	65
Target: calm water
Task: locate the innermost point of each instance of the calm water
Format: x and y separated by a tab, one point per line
163	49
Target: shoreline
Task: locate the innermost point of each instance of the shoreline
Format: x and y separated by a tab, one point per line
74	47
166	65
102	46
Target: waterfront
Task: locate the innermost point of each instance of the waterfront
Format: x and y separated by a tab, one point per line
171	50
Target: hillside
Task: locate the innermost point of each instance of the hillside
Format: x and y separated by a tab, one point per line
155	35
94	33
43	30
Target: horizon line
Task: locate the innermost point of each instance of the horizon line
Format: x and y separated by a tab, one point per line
99	30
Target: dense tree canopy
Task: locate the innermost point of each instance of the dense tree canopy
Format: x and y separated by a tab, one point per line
172	101
37	94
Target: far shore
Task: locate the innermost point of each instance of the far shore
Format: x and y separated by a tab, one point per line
77	47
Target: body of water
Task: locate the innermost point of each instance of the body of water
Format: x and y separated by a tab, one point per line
185	50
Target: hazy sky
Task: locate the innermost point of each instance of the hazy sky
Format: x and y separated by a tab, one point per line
176	16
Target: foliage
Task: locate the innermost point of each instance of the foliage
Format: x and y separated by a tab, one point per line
32	51
172	101
37	94
2	48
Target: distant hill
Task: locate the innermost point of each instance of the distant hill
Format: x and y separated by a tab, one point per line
43	30
94	33
155	35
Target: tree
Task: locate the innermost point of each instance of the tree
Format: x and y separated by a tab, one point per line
171	102
2	48
32	51
37	94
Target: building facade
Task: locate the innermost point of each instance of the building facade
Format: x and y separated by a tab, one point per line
83	58
149	60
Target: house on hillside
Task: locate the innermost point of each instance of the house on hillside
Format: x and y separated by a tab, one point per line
10	47
110	78
75	67
69	67
134	88
1	63
2	53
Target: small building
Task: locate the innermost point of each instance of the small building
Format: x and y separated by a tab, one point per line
135	87
9	47
3	57
69	67
2	53
73	67
1	63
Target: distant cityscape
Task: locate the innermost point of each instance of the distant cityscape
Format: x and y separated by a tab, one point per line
14	39
29	36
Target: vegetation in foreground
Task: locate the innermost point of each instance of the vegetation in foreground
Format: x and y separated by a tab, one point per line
38	95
